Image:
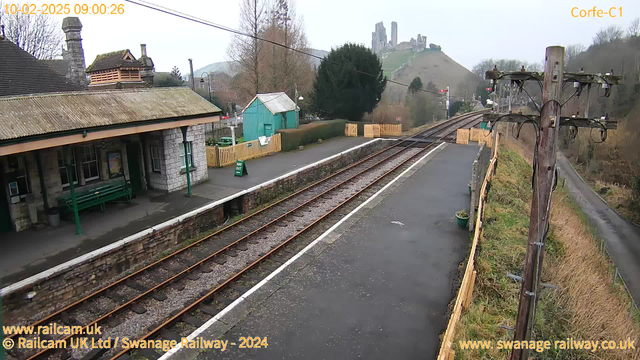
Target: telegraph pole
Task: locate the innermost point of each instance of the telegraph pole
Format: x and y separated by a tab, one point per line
544	178
547	125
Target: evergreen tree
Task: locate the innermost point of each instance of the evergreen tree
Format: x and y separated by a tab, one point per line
344	86
416	85
174	78
175	73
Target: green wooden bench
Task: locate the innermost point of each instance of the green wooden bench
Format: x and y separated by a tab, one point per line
96	196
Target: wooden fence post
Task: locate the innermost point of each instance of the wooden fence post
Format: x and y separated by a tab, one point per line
217	156
469	295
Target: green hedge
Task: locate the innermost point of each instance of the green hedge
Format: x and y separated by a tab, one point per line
310	133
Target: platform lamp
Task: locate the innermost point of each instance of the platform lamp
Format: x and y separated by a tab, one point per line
208	83
297	112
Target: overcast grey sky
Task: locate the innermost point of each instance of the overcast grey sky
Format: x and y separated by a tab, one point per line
467	30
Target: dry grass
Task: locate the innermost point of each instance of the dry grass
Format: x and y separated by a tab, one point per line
615	163
586	305
619	197
599	309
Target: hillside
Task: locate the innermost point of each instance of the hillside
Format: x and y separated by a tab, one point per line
222	66
320	53
430	65
225	66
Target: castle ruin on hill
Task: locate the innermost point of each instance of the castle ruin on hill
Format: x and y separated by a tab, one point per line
379	42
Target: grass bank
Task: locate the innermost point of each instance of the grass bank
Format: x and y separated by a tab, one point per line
586	305
618	196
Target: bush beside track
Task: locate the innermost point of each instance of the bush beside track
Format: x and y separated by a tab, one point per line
310	133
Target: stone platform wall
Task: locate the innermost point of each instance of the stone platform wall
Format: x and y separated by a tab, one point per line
68	282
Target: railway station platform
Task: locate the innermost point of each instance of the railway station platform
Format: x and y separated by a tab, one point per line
375	286
30	252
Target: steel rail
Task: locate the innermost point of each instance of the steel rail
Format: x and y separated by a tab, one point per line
227	227
184	272
209	257
249	267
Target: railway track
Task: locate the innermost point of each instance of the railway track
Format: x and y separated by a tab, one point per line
176	294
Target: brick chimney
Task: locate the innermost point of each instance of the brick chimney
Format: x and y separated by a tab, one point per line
149	70
72	28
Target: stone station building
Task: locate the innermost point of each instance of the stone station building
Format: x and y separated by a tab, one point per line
134	136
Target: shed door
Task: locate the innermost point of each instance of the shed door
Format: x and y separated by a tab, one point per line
268	130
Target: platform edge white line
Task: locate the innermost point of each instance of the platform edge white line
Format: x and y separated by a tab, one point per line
9	289
257	286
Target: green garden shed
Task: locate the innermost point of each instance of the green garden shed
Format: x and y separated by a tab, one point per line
268	113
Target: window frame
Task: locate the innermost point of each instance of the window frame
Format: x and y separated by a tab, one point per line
20	175
156	159
183	166
94	153
75	167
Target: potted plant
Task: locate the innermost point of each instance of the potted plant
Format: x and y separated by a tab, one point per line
463	218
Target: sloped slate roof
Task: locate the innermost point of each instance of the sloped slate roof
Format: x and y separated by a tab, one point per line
113	60
23	116
276	102
21	73
58	65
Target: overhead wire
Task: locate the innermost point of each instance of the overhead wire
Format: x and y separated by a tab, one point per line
201	21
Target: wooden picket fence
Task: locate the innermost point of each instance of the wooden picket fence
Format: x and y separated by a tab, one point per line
372	130
488	141
478	134
465	293
223	156
462	136
390	129
351	130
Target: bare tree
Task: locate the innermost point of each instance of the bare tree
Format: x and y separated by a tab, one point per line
610	34
245	51
39	35
286	68
634	28
502	64
571	53
482	67
536	66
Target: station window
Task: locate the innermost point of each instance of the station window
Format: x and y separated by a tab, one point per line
18	179
90	163
189	155
156	158
62	168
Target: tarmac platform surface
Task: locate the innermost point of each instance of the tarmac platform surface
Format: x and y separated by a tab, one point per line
377	287
30	252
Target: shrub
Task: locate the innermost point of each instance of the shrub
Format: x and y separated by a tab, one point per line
310	133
